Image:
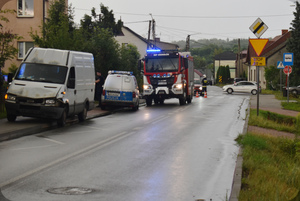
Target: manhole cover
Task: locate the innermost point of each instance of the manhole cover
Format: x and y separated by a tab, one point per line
70	191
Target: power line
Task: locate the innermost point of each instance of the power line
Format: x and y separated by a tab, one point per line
200	17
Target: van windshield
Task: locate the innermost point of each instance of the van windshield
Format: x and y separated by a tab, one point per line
42	73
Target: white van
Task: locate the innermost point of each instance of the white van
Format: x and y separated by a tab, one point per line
52	84
120	89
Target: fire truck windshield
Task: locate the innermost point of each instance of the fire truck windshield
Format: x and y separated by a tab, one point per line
162	64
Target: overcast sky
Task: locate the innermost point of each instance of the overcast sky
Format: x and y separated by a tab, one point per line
202	19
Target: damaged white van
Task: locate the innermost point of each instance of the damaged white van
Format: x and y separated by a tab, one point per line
52	84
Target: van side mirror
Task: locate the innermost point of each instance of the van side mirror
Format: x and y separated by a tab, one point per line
10	77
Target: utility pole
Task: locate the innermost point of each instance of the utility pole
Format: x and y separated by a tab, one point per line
239	59
153	30
149	30
187	47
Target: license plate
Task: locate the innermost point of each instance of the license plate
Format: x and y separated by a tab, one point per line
162	82
113	93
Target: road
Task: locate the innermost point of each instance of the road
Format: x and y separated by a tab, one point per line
159	153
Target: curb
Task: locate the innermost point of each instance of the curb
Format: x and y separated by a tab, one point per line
237	177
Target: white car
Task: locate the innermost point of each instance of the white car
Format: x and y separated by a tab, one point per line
242	86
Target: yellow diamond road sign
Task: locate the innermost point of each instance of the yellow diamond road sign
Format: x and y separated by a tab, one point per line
258	45
258	27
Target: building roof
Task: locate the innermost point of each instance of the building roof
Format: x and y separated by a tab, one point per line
228	55
273	46
158	44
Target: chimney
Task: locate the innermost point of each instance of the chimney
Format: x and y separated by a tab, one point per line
284	31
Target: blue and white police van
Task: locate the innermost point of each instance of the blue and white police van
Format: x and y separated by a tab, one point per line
120	89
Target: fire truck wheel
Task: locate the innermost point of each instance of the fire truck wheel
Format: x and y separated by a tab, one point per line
149	101
182	100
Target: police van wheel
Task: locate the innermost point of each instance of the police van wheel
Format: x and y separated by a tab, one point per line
135	108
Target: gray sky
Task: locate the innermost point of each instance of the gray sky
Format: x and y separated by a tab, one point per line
202	19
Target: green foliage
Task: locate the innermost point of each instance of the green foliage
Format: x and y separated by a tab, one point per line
13	69
223	71
270	168
272	75
7	37
295	106
253	141
95	35
293	45
273	121
58	31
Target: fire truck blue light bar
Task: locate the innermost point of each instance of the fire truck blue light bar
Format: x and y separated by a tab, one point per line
154	50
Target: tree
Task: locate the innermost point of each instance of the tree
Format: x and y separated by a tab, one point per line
293	45
7	49
58	30
272	77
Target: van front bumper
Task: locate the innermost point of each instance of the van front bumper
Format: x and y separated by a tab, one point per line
40	111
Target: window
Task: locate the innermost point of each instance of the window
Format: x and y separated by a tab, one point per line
25	8
23	48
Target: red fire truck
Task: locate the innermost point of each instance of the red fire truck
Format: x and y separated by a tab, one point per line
168	74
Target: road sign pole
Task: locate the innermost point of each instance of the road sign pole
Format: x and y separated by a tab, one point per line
280	81
257	94
288	79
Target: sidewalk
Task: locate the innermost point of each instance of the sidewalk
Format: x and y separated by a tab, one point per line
27	126
270	103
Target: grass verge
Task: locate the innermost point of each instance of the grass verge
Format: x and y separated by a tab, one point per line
272	120
271	168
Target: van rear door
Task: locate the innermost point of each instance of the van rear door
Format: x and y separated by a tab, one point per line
127	88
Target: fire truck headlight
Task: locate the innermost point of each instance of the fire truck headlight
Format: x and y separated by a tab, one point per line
146	87
178	86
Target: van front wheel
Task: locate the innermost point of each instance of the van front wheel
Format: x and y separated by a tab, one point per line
11	117
82	115
61	122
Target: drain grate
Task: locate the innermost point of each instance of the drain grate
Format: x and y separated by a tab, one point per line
70	191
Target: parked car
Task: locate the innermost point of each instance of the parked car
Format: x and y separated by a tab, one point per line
242	86
295	90
197	87
120	89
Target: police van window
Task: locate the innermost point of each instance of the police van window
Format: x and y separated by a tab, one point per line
127	79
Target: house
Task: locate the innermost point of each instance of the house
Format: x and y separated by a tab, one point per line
227	58
130	37
273	52
29	16
241	67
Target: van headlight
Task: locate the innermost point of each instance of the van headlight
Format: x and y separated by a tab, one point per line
10	97
50	102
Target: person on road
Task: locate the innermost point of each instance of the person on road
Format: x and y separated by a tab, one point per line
204	84
99	87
